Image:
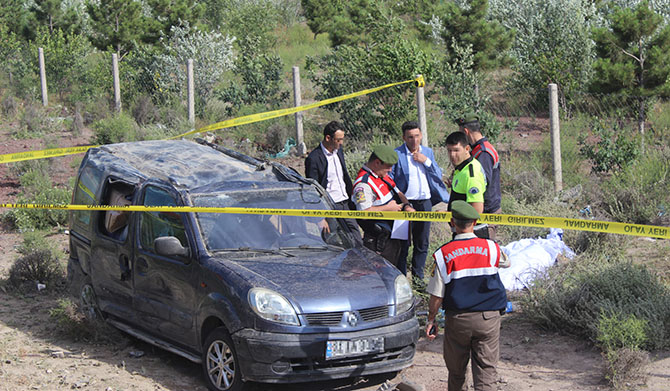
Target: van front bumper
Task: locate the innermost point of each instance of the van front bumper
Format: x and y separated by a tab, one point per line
288	358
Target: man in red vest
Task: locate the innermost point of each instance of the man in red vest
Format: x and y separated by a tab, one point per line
465	282
483	151
375	191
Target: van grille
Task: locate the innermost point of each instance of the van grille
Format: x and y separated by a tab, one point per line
335	318
325	318
375	313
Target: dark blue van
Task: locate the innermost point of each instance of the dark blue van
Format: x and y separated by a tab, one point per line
265	298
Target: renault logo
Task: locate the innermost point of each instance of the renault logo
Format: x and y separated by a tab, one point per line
352	319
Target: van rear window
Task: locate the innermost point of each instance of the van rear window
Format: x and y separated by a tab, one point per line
88	184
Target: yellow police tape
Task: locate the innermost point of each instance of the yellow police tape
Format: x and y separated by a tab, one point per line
247	119
499	219
30	155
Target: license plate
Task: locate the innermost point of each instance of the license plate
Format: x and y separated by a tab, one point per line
356	347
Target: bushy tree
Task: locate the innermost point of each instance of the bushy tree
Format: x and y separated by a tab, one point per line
212	55
320	14
118	24
14	16
347	22
552	43
467	24
350	68
56	14
457	97
259	80
165	14
246	20
65	57
633	56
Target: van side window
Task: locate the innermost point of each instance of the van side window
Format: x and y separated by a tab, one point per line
84	194
114	223
159	224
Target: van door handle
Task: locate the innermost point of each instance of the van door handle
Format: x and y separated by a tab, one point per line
124	264
141	266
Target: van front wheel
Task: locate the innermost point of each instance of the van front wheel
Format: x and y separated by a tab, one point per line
220	364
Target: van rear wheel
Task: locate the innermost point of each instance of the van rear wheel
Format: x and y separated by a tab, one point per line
88	301
220	364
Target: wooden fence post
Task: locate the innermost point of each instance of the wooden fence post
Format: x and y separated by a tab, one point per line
191	92
117	86
421	108
299	137
555	137
43	78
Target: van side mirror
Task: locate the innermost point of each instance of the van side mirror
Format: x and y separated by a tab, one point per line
169	246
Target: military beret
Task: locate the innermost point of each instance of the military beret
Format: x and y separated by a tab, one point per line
466	119
461	210
386	154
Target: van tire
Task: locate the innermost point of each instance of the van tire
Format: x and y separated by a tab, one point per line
220	363
88	301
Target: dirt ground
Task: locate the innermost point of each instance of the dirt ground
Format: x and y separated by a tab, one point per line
37	354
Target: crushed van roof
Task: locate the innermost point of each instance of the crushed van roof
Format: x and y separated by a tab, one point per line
183	163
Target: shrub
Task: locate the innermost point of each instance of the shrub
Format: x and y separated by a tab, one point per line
37	266
37	240
625	366
116	129
639	193
71	323
34	122
614	149
574	298
37	188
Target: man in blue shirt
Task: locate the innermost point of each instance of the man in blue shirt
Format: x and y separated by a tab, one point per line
419	177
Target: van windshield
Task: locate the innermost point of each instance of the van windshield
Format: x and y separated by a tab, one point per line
225	231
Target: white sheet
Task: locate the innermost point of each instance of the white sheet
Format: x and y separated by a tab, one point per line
532	256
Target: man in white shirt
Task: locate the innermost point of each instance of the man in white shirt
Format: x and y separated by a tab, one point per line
326	165
419	177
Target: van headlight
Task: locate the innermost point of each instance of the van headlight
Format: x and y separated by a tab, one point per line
272	306
403	295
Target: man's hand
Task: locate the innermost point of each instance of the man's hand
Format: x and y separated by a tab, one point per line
408	208
393	206
431	330
419	157
323	224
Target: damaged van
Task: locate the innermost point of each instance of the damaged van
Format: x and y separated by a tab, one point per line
263	298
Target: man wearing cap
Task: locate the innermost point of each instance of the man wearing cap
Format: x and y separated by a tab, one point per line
375	191
326	165
483	151
468	182
465	282
420	178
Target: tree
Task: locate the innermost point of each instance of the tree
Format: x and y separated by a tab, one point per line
166	14
633	56
212	55
552	44
116	23
467	25
320	14
346	22
14	15
56	15
350	68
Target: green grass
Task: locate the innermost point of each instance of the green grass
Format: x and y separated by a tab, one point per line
296	42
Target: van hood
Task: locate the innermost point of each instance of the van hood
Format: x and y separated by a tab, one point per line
322	280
